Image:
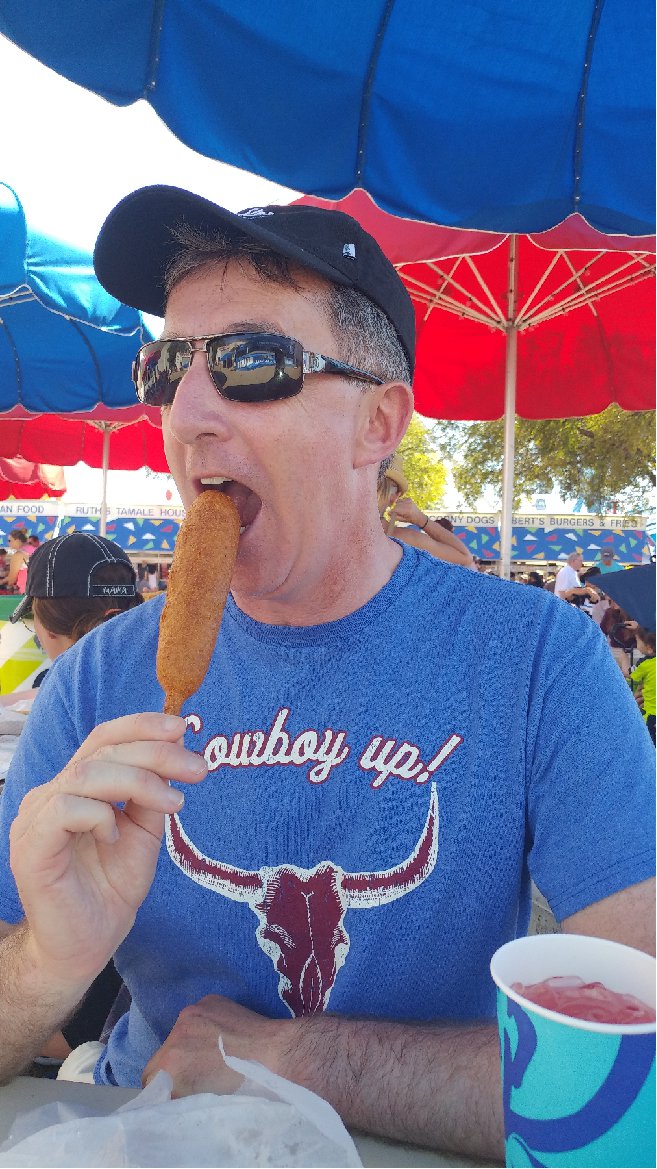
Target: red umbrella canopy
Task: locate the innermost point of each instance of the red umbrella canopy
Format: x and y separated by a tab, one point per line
135	437
585	333
20	479
584	313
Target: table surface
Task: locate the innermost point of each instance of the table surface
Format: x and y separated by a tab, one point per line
25	1093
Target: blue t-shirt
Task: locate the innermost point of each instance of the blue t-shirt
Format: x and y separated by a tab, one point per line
380	790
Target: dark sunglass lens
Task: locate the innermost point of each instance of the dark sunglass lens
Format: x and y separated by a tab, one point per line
159	367
260	368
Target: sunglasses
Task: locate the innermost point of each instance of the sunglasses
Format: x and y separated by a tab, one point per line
245	367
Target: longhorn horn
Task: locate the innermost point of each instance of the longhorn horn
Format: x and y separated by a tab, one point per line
364	889
237	884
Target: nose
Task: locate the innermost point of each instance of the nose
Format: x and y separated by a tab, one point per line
198	410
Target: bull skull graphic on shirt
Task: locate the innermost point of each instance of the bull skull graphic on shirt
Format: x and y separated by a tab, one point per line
301	912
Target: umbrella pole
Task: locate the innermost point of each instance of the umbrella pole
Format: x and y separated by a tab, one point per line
103	502
510	377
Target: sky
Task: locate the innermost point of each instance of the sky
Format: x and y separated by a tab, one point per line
70	156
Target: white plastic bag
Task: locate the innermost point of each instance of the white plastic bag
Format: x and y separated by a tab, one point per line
267	1121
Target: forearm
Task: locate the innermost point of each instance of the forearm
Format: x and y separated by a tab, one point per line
568	594
447	539
33	1004
429	1085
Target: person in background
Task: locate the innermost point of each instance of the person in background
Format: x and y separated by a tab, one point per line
535	578
642	678
568	585
147	578
4	568
606	561
429	535
620	633
21	551
597	606
34	541
75	583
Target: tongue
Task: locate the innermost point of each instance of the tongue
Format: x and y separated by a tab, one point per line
248	504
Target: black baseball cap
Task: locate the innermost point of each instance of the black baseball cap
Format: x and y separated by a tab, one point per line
69	567
136	244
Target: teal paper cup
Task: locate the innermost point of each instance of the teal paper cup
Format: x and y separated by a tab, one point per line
575	1093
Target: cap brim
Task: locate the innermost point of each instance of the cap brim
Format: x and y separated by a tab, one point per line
136	243
21	609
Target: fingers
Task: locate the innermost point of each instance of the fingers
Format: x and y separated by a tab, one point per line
133	728
69	814
167	760
108	771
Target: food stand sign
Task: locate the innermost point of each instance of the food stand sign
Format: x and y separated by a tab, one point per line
150	531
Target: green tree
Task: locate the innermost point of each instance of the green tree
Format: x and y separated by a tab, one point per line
427	476
602	459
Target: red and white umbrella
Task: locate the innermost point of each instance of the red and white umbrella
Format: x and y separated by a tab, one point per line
554	325
20	479
118	440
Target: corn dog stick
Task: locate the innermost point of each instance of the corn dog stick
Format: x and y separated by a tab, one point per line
199	580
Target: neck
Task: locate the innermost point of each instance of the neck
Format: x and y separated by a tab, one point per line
332	587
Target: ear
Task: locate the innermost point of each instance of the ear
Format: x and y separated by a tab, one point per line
53	644
385	414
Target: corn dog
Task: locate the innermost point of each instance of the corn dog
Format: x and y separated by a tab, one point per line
199	580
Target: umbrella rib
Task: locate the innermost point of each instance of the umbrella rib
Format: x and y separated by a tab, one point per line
586	292
30	294
467	309
499	314
17	360
578	144
99	377
19	295
366	102
578	300
525	308
573	278
450	305
154	48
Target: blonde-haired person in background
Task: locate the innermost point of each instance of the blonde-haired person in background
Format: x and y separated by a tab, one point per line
431	537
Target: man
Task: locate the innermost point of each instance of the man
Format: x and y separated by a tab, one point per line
568	585
371	810
607	562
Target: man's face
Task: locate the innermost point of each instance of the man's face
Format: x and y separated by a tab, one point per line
290	462
578	563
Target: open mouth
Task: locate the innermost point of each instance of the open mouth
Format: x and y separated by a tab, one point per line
246	501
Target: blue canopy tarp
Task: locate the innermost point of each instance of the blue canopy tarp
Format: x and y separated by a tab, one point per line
634	591
66	345
493	114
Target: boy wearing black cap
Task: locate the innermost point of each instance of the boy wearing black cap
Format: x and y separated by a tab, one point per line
73	583
355	765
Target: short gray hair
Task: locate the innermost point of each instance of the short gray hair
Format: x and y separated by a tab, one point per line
365	336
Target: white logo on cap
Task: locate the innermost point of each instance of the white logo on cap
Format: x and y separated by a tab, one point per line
349	250
254	213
